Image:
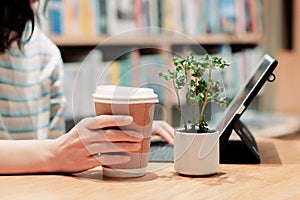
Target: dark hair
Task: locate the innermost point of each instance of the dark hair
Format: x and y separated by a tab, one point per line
14	14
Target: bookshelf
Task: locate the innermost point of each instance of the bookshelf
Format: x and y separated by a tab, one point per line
255	39
79	26
88	23
193	17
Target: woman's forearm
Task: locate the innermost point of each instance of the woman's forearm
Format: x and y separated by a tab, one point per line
26	156
84	147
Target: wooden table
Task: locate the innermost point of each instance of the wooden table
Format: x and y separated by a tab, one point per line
278	177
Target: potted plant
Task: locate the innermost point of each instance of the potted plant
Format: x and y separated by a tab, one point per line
196	146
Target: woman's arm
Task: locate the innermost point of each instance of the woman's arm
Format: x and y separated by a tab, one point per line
80	149
26	156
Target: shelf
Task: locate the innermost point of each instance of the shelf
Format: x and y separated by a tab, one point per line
155	40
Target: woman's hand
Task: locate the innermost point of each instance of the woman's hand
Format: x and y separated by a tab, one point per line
84	147
164	130
80	149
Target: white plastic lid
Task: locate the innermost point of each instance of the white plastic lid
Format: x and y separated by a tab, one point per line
124	95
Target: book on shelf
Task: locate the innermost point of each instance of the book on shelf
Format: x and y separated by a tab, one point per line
149	68
73	18
190	13
199	17
137	70
154	16
241	17
243	63
114	72
256	22
80	81
202	18
193	17
213	17
228	15
56	17
139	5
131	15
102	23
126	75
120	16
167	13
69	20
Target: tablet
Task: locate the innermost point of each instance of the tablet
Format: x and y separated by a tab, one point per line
231	119
242	151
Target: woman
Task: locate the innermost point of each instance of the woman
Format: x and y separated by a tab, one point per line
32	103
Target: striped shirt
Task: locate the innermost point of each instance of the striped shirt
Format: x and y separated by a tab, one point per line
31	89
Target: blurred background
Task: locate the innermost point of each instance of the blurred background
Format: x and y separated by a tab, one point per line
127	42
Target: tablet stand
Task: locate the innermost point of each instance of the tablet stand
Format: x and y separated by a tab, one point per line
242	151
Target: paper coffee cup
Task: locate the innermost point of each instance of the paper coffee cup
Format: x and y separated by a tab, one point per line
138	103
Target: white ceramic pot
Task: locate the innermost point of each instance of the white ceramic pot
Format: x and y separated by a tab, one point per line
196	153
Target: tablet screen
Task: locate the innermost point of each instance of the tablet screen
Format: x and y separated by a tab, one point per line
247	93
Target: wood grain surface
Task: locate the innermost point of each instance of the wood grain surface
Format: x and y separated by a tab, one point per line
277	177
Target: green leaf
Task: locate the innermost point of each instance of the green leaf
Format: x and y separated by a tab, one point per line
194	74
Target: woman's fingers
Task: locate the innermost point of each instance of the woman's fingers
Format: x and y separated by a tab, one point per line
166	136
103	121
104	159
164	130
105	147
122	135
112	135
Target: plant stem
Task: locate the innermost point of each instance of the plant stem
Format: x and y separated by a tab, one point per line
179	105
187	81
194	105
193	113
201	118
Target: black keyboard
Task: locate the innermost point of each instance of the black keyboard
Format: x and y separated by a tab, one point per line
161	152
